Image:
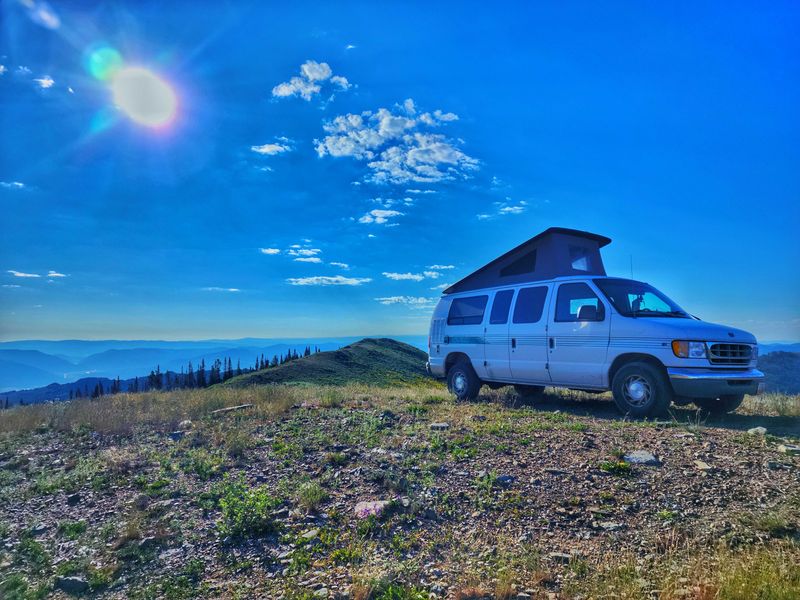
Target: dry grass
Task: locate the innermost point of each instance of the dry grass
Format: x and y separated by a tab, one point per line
772	404
163	411
766	572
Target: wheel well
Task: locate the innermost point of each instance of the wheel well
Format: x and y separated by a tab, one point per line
624	359
453	358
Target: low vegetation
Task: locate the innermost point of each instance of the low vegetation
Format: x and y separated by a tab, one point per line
394	492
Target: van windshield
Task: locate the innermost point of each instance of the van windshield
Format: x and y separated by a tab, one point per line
638	299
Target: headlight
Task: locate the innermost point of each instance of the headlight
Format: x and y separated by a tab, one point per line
754	352
683	349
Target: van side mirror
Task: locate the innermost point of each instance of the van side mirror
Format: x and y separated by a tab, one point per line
587	312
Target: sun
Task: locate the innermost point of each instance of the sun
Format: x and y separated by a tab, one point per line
143	96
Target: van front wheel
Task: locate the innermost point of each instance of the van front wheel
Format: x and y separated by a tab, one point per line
463	381
641	390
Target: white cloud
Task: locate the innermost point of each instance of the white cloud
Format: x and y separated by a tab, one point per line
404	276
350	47
308	259
432	274
326	280
309	83
505	208
441	267
271	149
11	285
23	70
416	302
221	289
41	13
341	265
341	82
12	185
379	216
441	286
21	274
56	274
396	149
3	69
296	250
414	191
45	82
269	251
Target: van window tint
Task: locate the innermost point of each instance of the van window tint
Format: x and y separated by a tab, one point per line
530	304
524	264
467	311
500	306
571	296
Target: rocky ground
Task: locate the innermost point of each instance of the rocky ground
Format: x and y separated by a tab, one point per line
376	493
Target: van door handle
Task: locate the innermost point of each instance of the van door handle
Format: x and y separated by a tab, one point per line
513	342
552	343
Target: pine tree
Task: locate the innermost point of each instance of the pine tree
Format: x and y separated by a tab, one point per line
188	381
201	373
135	384
238	367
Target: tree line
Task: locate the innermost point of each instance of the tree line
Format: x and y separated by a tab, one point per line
200	377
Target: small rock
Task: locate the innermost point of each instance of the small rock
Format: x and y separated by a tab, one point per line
141	502
440	426
703	466
371	507
177	436
642	457
321	593
72	585
504	480
479	418
789	448
757	431
560	557
73	499
39	529
523	596
147	542
610	525
185	425
310	534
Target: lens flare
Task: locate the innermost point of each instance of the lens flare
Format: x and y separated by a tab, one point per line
103	62
144	97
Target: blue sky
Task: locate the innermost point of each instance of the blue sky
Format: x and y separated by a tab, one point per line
325	161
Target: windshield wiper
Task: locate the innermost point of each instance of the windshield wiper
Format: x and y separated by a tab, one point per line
647	312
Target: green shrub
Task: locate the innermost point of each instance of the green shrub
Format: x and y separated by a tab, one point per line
246	511
616	467
310	495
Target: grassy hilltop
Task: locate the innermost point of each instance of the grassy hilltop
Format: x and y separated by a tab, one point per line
393	492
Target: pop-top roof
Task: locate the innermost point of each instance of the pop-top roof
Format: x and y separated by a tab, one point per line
556	252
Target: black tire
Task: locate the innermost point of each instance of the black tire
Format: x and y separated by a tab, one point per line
529	393
641	390
719	406
463	381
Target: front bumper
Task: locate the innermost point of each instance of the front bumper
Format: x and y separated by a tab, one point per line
711	383
435	367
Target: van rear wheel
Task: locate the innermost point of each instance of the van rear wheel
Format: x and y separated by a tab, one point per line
640	390
721	405
463	381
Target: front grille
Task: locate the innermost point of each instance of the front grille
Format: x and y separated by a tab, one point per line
729	354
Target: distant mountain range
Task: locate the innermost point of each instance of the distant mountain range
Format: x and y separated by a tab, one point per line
36	363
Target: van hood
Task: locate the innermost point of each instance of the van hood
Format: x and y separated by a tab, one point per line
691	329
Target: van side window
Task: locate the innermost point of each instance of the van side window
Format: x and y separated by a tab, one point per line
467	311
530	304
579	258
571	297
500	306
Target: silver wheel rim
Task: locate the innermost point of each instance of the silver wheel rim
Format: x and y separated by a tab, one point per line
637	390
460	383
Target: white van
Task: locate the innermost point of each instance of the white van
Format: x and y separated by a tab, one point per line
546	314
